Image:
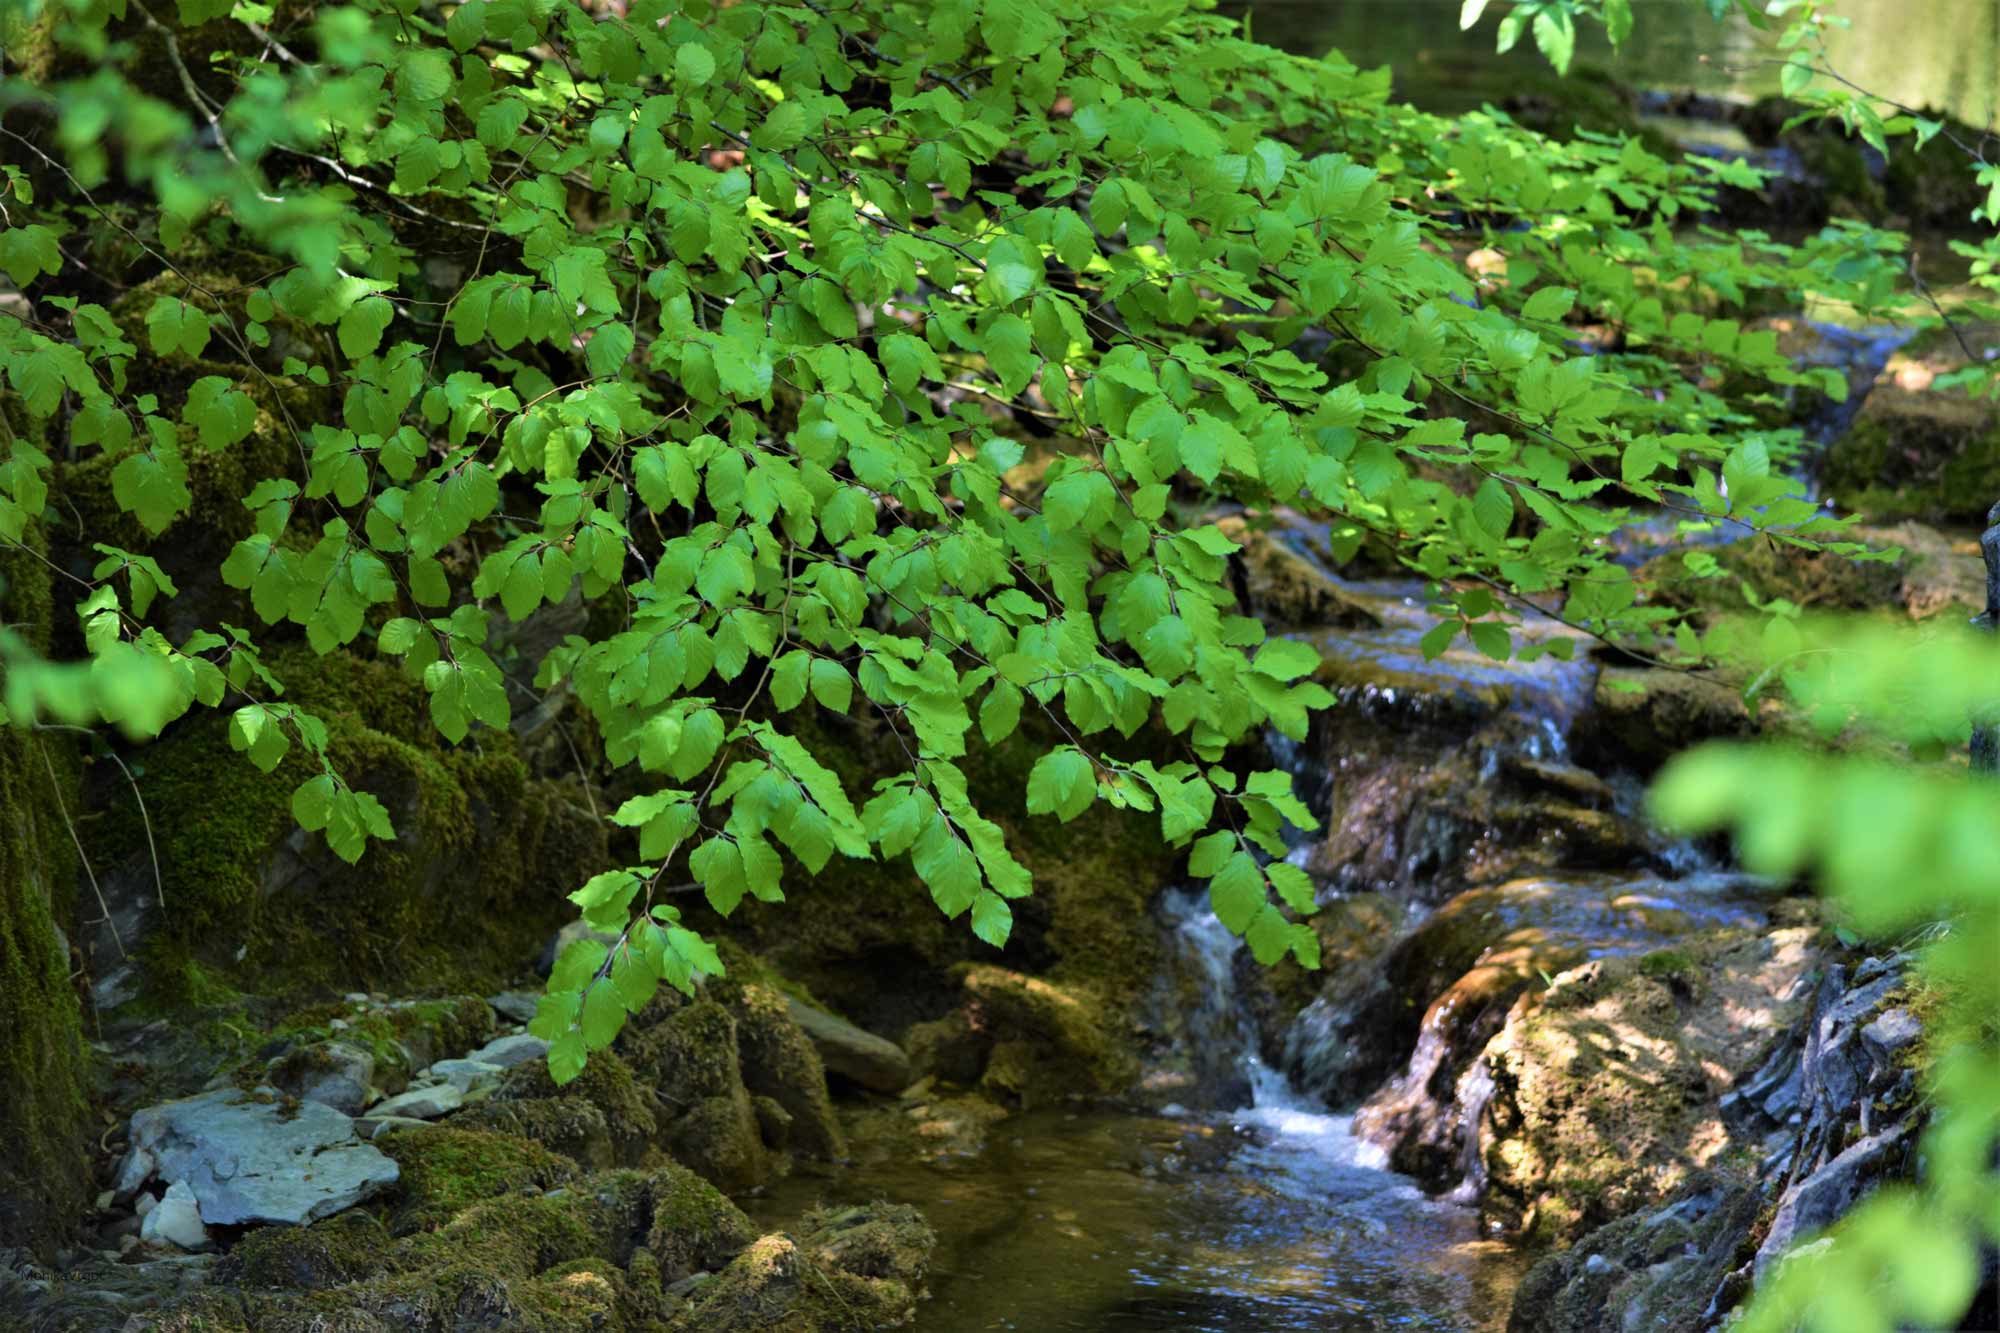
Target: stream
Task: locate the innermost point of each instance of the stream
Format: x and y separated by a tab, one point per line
1271	1215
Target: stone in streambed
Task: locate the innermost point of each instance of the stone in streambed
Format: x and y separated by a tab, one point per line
423	1103
249	1157
516	1006
851	1052
465	1075
507	1052
176	1220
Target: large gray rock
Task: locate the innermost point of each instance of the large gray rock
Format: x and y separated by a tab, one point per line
852	1052
249	1158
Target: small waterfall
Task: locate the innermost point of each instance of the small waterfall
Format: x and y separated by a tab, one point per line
1224	1048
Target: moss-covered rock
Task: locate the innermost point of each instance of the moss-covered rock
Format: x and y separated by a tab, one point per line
1586	100
44	1173
1929	455
1048	1040
1656	1270
331	1253
780	1062
854	1269
691	1057
446	1170
1640	717
465	893
1605	1086
604	1118
592	1255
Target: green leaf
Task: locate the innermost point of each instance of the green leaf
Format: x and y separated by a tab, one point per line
1549	304
362	325
1062	782
693	65
173	325
28	251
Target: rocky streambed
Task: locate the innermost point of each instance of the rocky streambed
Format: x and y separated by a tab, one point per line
1559	1072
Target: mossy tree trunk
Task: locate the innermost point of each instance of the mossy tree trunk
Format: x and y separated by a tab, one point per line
44	1107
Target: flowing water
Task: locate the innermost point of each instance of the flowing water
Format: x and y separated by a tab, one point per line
1271	1216
1253	1206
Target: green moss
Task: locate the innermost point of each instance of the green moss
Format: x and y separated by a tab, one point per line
853	1269
1924	455
780	1062
447	1170
1050	1040
606	1083
339	1250
694	1225
43	1103
570	1126
461	898
1668	963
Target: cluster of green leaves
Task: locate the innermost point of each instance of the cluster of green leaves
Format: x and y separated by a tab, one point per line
874	357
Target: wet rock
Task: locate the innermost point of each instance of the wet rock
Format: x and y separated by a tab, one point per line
1640	717
176	1221
1284	587
852	1052
423	1103
252	1158
333	1072
1433	999
507	1052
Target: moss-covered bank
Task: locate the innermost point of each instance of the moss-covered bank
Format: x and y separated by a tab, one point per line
466	893
43	1105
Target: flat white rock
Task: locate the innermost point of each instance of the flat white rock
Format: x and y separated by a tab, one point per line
176	1220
